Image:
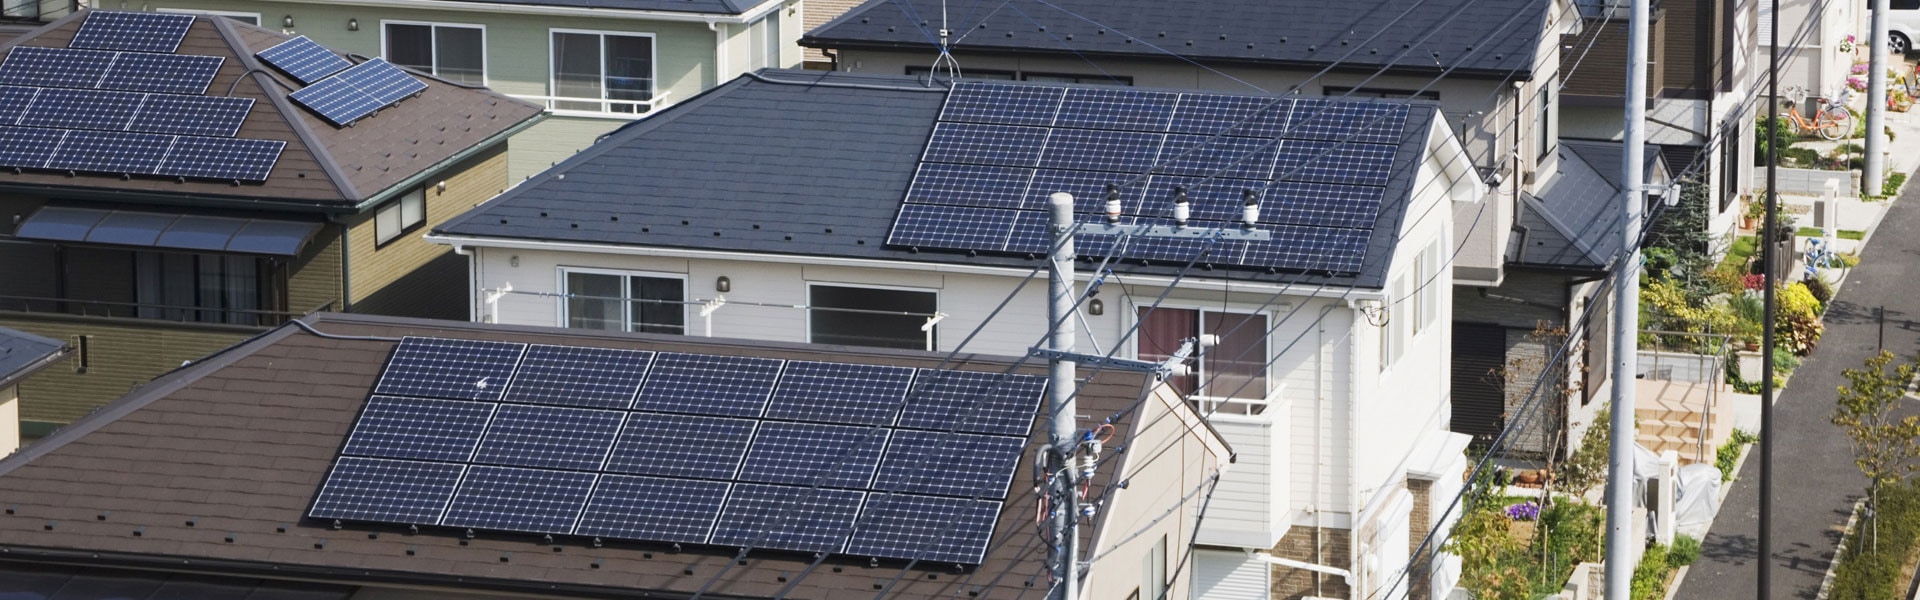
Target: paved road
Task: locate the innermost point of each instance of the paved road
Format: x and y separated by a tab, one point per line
1816	483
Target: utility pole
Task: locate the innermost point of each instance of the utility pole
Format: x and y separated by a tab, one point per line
1766	235
1875	169
1626	311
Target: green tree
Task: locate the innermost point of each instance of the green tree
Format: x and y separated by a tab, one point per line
1884	445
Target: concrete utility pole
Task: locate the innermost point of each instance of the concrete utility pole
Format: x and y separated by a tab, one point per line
1767	245
1875	170
1626	311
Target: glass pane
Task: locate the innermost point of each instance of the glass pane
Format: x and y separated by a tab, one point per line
212	288
576	70
664	314
1237	365
176	274
413	208
1161	333
876	328
146	286
410	46
595	302
773	39
386	223
243	289
629	71
461	54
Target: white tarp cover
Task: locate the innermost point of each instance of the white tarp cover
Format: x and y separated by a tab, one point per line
1696	498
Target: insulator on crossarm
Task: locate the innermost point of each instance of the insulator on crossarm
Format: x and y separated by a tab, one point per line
1180	209
1250	207
1113	204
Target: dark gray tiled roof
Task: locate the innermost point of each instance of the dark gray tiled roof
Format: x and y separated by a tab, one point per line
1574	221
22	352
723	7
796	162
1479	37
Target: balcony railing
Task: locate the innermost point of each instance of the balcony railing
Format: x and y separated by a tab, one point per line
147	311
608	107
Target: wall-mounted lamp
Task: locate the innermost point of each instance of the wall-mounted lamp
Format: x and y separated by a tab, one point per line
1096	308
353	24
513	261
723	284
288	22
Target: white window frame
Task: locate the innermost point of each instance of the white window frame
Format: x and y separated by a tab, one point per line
1274	386
606	105
766	33
486	75
807	323
214	13
626	306
380	239
1399	311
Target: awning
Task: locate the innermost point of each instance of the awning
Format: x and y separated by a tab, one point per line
167	230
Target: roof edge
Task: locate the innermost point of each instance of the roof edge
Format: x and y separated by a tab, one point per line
321	154
564	11
825	43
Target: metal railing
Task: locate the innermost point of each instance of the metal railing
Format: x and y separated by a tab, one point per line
174	313
608	107
1673	364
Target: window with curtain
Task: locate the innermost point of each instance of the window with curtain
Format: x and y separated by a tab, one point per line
404	214
451	52
625	302
1235	367
597	67
203	288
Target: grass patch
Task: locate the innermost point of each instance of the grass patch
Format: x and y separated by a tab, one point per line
1891	187
1737	255
1845	234
1730	451
1864	572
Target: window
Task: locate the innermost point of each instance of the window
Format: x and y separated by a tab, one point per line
883	318
1391	340
1368	92
1543	118
1730	165
226	288
1233	368
1426	302
450	52
764	43
1153	570
399	216
626	302
602	67
1597	335
243	17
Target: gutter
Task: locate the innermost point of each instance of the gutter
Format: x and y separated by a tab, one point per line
1302	565
558	11
35	366
1400	70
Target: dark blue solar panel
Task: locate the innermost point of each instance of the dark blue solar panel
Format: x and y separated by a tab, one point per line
390	491
969	185
574	376
952	227
787	518
809	454
132	31
223	158
1235	157
839	393
924	528
681	445
1116	108
82	109
1089	189
728	386
973	401
1310	249
213	116
161	73
1090	150
1334	162
1183	250
110	152
418	428
1207	199
386	83
510	499
549	437
13	101
1032	235
1002	104
336	101
949	464
1356	122
651	508
28	147
455	369
54	67
985	144
1251	116
304	60
1321	204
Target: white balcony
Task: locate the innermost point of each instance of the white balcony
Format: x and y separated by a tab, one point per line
1249	509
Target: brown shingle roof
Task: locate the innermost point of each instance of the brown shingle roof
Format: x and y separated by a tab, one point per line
323	166
216	464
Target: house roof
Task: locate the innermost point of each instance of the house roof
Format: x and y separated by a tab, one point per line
1574	221
22	353
803	163
1485	38
721	7
323	167
216	464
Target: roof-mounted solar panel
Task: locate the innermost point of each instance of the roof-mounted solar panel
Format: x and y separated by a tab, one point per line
111	152
212	116
161	73
221	158
54	67
82	109
28	147
132	31
357	92
304	60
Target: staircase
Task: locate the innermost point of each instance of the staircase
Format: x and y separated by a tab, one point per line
1671	415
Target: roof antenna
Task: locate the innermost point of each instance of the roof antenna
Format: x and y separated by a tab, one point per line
945	57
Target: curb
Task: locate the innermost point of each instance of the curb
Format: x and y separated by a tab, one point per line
1826	582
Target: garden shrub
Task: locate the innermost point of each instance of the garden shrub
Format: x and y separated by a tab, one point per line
1650	578
1797	320
1685	551
1673	310
1820	290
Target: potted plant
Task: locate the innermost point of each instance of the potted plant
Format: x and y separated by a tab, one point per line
1754	211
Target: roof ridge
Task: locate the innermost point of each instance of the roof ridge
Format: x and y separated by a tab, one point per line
255	71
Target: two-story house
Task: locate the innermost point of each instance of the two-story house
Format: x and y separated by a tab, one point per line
177	183
879	210
594	64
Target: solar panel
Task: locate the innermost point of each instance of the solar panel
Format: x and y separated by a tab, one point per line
386	83
1310	249
1237	157
953	227
787	518
391	491
28	147
1091	150
681	445
973	401
1116	109
82	109
1032	234
54	67
652	508
132	31
949	464
1089	189
455	369
573	376
1249	116
1002	104
510	499
357	92
924	528
418	428
304	60
728	386
549	437
977	144
211	116
1207	199
110	152
1352	121
1320	204
812	454
969	185
1334	162
161	73
839	393
13	101
235	159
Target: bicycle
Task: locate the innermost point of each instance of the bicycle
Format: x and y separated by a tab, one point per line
1820	255
1831	120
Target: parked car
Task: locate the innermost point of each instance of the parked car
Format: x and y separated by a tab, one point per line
1903	25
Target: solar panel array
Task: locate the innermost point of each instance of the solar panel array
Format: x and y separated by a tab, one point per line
117	101
869	460
357	92
304	60
1321	170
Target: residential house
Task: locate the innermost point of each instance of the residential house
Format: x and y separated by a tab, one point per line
767	209
594	64
167	201
21	354
1815	54
817	13
212	475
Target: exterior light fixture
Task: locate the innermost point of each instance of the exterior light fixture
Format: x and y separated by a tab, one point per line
353	24
1096	308
288	22
723	284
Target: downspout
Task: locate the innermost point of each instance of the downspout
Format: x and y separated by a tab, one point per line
1319	444
473	281
719	51
346	266
1353	444
1288	562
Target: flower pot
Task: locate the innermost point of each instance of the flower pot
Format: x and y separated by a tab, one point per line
1529	477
